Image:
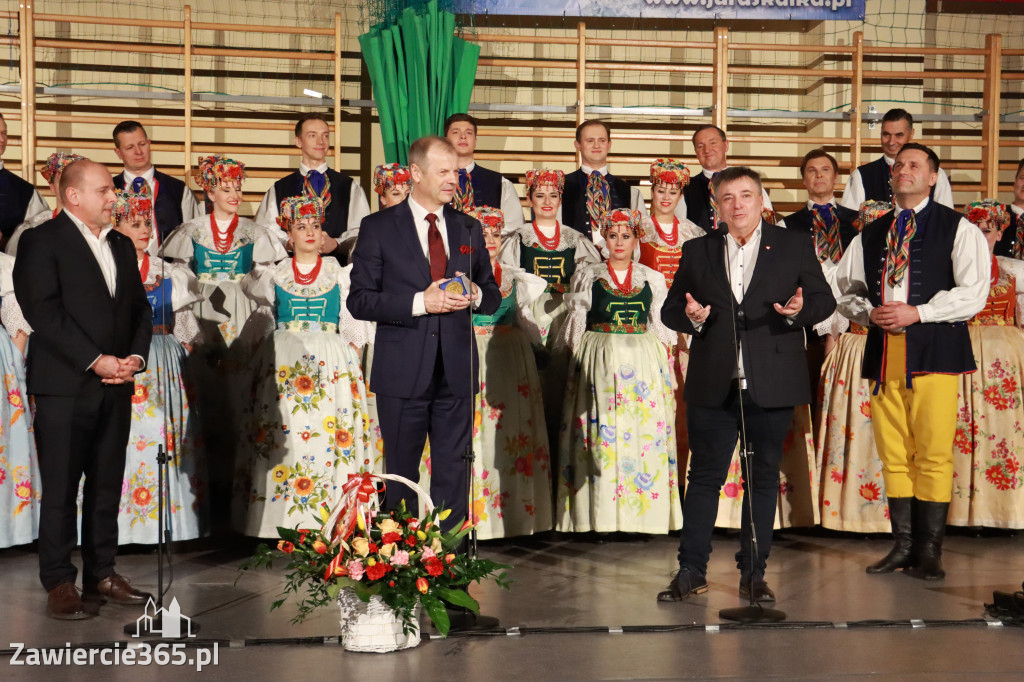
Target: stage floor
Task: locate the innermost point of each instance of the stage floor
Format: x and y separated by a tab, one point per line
575	582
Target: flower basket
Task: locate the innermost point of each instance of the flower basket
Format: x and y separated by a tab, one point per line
373	626
382	567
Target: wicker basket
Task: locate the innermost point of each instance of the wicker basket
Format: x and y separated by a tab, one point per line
373	626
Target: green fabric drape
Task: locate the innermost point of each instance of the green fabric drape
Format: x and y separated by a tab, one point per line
421	74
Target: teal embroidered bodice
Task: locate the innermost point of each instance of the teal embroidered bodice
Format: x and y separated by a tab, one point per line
610	311
291	308
234	263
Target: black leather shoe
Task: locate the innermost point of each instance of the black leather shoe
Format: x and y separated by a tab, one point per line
762	593
929	529
683	585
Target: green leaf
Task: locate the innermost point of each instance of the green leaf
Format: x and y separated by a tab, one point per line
437	613
458	598
289	534
333	589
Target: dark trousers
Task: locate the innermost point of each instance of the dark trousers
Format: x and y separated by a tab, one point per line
713	434
405	424
76	435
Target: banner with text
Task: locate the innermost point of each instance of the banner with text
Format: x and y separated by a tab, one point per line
796	10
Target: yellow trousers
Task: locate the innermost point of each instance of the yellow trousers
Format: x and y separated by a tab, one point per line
914	428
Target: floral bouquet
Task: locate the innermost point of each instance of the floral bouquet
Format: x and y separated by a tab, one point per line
404	560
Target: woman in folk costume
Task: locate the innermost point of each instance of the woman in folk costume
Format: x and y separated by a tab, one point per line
19	480
51	172
221	248
392	183
543	248
160	407
512	477
988	483
660	249
308	423
617	453
851	487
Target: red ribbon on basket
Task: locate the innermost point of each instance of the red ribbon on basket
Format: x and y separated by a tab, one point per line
357	492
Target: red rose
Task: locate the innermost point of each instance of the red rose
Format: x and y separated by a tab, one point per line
434	566
388	538
410	540
668	178
373	547
377	571
307	209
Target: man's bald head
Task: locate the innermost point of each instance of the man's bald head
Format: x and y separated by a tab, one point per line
88	192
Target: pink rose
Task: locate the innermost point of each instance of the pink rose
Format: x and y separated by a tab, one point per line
355	570
427	553
400	558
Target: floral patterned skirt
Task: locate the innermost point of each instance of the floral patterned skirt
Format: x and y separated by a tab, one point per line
617	468
852	490
308	429
161	416
19	466
512	469
988	483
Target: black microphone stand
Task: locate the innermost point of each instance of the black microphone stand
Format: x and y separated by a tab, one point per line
753	612
466	621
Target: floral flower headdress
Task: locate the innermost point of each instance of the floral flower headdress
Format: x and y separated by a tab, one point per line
488	217
669	172
990	211
297	208
617	216
56	163
538	177
870	211
390	175
128	203
212	171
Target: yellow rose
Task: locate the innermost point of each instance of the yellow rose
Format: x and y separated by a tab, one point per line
421	535
436	545
361	546
387	549
389	526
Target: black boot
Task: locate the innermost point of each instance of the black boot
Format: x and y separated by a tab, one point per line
901	555
929	528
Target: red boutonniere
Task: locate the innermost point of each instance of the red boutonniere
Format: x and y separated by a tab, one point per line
466	249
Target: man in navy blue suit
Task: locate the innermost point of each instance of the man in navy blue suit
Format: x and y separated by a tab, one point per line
424	366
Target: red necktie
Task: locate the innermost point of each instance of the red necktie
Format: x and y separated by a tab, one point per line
438	258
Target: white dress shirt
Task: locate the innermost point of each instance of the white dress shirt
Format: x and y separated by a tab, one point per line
972	270
1017	210
104	255
419	216
358	208
511	207
853	195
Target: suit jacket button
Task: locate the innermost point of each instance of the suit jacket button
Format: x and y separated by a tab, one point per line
740	314
433	333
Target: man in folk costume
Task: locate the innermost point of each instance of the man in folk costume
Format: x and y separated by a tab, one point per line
19	199
699	204
344	200
913	277
479	186
590	190
174	202
872	181
1012	243
831	227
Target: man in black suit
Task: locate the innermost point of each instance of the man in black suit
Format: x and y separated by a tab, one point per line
173	202
831	229
761	285
79	287
424	343
591	190
1012	243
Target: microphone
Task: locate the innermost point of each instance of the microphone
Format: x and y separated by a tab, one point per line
723	226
